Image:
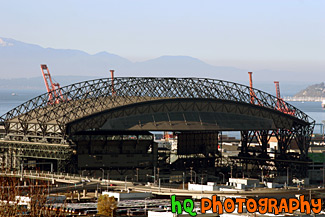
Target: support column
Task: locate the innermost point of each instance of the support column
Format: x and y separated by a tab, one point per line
264	138
244	143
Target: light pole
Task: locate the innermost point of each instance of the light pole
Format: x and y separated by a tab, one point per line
192	171
107	180
183	180
159	181
323	176
137	174
103	174
262	175
194	176
145	205
159	184
125	181
154	174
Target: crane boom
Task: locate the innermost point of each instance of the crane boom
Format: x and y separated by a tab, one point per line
280	105
53	89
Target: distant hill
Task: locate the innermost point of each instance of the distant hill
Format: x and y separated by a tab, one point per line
20	68
19	59
315	90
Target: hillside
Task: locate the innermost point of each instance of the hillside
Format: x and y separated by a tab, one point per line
316	90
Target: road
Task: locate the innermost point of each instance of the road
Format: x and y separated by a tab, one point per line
70	182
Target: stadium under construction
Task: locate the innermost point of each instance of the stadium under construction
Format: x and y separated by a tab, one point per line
109	124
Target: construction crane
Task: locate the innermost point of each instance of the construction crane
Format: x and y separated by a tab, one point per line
277	89
53	89
251	91
280	105
112	79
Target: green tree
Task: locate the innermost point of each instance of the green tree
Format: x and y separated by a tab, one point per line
106	205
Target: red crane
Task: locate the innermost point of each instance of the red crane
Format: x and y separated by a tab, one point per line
53	89
280	105
251	91
112	79
277	89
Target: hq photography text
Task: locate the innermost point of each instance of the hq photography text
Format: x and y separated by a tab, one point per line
261	205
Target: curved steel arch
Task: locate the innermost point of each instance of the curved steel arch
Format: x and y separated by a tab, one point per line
184	114
41	118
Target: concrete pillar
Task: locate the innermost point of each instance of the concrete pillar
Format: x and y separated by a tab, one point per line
78	195
96	193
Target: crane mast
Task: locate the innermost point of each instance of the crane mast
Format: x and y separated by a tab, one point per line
53	89
280	105
277	89
251	92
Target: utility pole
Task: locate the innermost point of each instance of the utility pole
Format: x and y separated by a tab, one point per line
323	175
154	174
137	174
103	174
183	181
125	182
262	175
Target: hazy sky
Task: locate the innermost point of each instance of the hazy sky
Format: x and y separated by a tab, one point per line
249	34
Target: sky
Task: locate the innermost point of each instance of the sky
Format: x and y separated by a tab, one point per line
252	34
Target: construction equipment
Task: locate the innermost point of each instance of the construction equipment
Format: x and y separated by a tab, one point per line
251	91
112	79
280	105
53	89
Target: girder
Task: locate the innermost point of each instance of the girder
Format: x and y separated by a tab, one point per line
37	117
36	128
37	150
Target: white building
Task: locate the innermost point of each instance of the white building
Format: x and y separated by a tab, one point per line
128	195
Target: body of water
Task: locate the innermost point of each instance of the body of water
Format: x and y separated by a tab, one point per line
313	109
9	99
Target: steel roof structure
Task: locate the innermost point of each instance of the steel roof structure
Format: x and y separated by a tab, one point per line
40	117
163	104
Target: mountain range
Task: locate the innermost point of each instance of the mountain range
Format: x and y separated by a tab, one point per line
20	67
